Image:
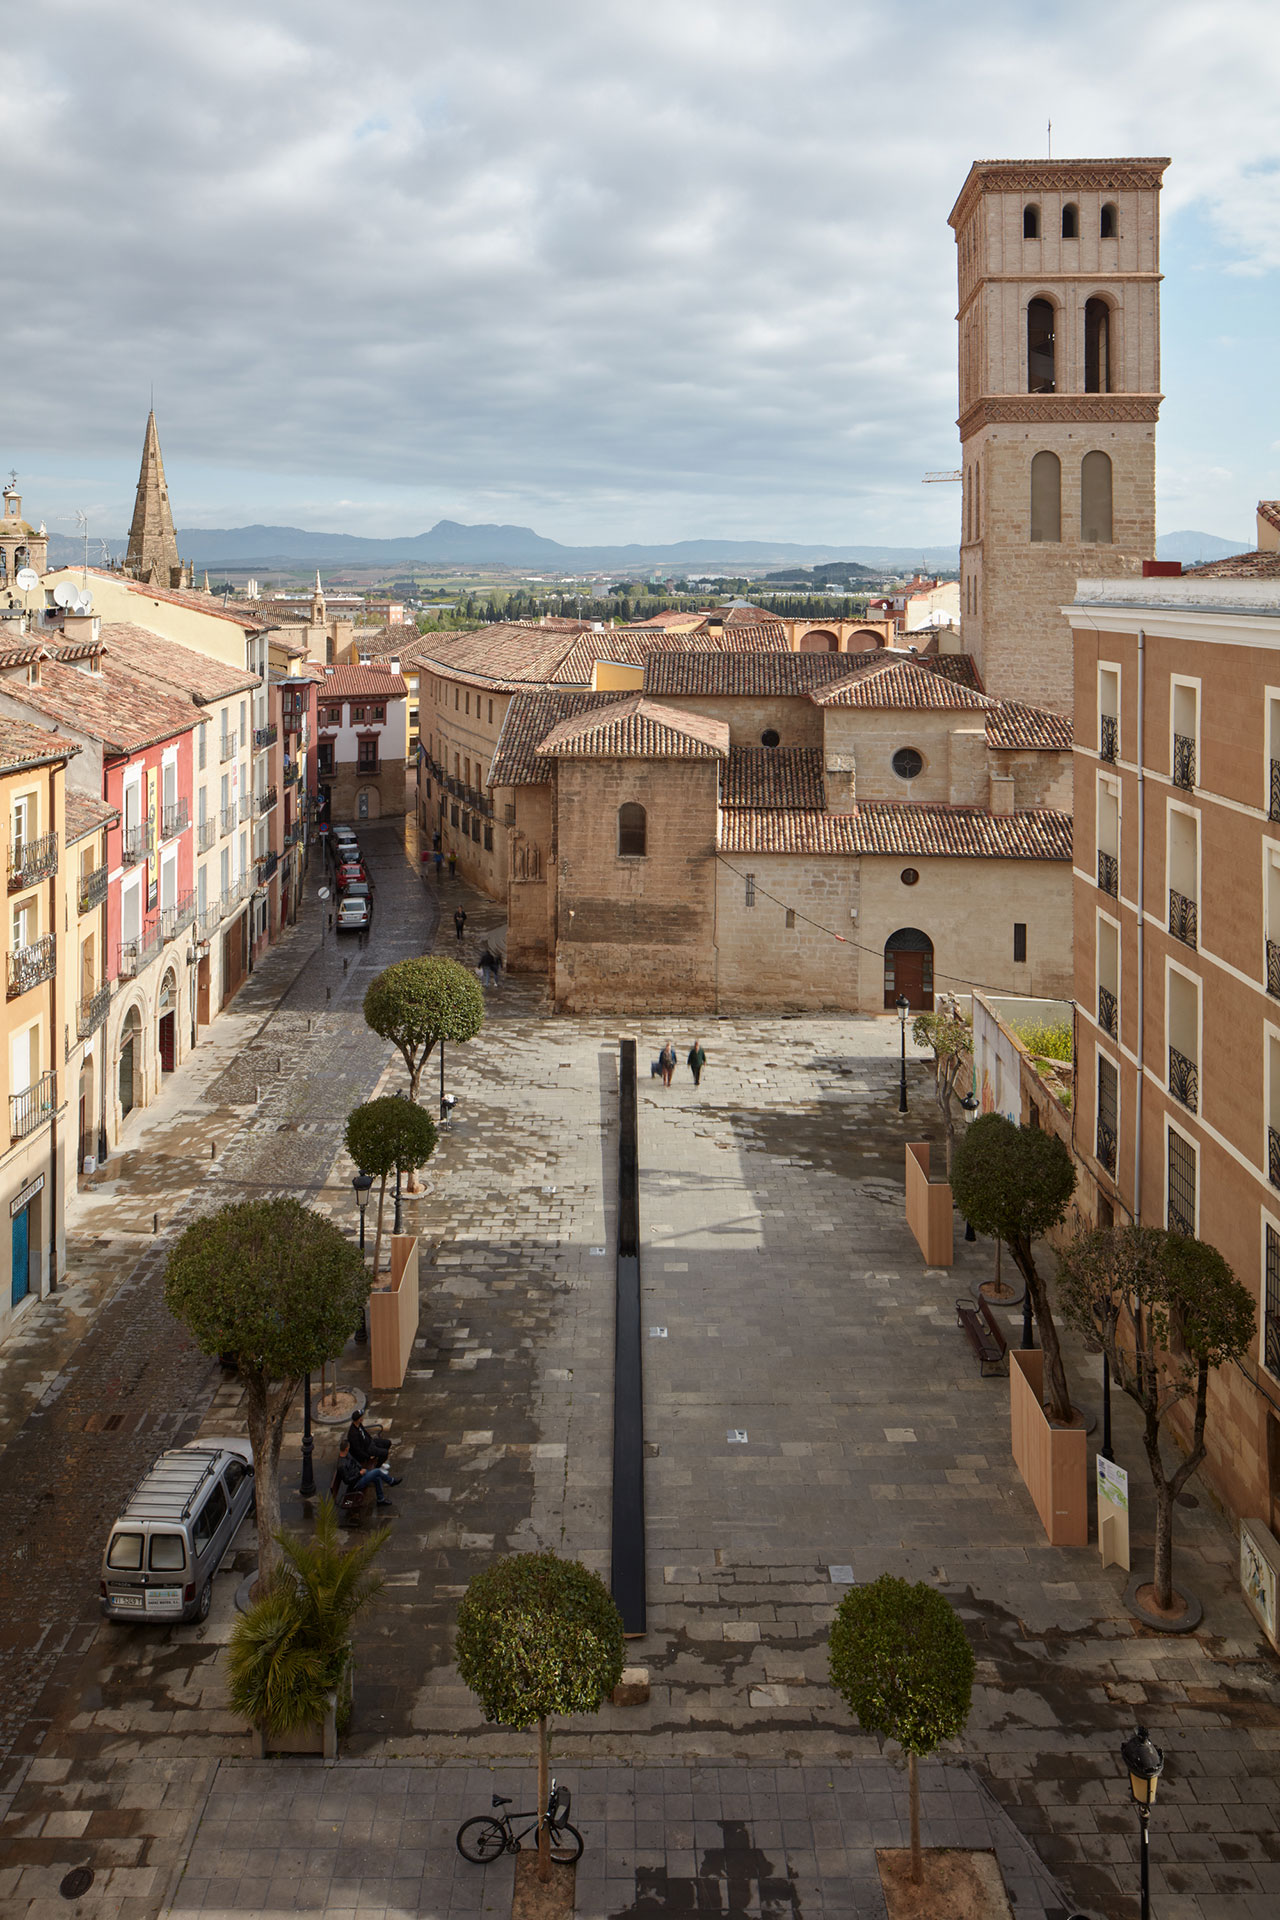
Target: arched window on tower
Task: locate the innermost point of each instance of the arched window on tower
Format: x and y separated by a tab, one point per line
1040	345
632	830
1095	499
1109	223
1031	223
1046	497
1070	223
1097	346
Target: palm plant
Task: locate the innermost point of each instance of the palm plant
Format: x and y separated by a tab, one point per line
290	1648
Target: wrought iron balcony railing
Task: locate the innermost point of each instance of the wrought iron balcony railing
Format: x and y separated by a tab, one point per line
263	802
29	1109
1273	1155
206	834
1273	967
93	1011
227	748
177	918
32	860
1108	736
227	818
174	819
138	953
1106	1145
267	866
1184	1080
1273	811
246	807
1108	1012
1109	874
265	736
1178	1221
137	843
1183	917
1184	760
28	966
207	922
93	889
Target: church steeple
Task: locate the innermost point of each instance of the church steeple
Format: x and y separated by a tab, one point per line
153	545
317	603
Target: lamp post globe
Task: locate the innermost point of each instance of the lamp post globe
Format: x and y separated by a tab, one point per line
904	1008
1145	1763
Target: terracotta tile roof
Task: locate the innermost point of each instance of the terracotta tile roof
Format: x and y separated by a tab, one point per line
905	684
632	647
529	718
638	729
86	815
711	671
21	655
170	664
1014	725
881	827
23	744
773	777
381	643
117	706
505	657
362	683
1269	510
210	603
277	643
1238	566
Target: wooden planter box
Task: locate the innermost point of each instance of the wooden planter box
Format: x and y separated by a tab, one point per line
1052	1460
393	1315
930	1214
321	1738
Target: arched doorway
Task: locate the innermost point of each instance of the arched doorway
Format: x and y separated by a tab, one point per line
908	968
819	641
130	1061
167	1014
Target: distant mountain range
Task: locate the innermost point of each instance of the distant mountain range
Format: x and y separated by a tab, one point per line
451	543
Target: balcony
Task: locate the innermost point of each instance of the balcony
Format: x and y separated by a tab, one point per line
32	860
1108	1012
137	954
1109	874
137	843
264	802
368	765
93	1011
1108	736
267	865
28	966
1184	1080
227	819
1273	1155
206	834
1106	1146
177	918
1183	918
246	807
207	922
1273	967
293	834
264	737
227	748
174	819
29	1110
1184	760
93	889
1273	811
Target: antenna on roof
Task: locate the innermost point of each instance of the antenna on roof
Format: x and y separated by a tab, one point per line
1050	139
82	522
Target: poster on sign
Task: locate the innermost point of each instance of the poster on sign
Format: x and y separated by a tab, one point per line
1113	1514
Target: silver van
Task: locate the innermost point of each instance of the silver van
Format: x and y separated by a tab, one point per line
163	1551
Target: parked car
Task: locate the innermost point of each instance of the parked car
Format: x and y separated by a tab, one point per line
163	1551
350	873
355	913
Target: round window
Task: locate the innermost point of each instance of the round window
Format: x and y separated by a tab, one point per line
907	763
909	876
770	737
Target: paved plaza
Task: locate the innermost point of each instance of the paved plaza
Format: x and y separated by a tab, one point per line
813	1416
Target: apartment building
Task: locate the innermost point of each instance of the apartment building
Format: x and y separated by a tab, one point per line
1177	944
361	723
90	968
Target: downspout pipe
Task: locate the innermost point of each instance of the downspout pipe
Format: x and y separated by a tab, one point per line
1142	932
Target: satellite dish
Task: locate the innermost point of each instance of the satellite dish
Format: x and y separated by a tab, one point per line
84	601
25	579
63	594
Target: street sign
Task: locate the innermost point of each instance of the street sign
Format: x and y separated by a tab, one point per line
322	893
1113	1514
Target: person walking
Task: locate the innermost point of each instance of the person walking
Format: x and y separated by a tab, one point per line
459	922
439	860
488	971
453	866
667	1062
696	1060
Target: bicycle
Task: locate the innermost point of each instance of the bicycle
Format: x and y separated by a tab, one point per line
485	1836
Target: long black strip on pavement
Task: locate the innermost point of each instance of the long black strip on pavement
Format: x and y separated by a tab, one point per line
627	1572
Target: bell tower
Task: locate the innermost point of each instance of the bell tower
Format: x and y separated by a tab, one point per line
1059	340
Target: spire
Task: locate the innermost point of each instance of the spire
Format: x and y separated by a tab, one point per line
207	588
317	603
153	544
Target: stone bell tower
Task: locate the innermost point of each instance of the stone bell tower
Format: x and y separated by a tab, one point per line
1059	321
153	544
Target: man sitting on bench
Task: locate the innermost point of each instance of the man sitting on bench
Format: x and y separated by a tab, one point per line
355	1478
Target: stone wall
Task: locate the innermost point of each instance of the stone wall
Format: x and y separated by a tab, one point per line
969	908
797	722
775	934
385	790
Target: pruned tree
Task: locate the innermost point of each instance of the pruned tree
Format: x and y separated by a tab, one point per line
384	1137
537	1636
1015	1183
950	1037
1168	1310
900	1661
280	1287
417	1003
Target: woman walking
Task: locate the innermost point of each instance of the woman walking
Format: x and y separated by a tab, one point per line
667	1062
696	1060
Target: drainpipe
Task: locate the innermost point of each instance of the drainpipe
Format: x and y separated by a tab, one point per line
57	974
1142	934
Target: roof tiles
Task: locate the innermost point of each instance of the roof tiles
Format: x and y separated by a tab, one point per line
637	729
529	718
881	827
24	744
788	777
362	683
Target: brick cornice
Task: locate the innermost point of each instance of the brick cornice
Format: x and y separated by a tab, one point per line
1059	410
1056	176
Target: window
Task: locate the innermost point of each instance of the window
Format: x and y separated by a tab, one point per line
910	876
791	916
1095	500
468	705
1041	321
209	1519
324	756
1108	1114
1097	346
125	1553
1181	1205
1046	497
1109	713
244	721
1108	964
1182	1021
1184	712
751	889
1020	941
236	1471
379	713
907	763
770	737
632	830
202	738
357	716
488	838
1109	223
456	697
1270	1319
367	756
1070	223
1031	223
1108	827
168	1553
491	713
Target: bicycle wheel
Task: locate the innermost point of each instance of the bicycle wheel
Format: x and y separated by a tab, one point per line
566	1845
483	1839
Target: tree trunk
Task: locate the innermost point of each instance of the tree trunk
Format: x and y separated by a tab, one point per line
1169	1486
913	1783
1055	1374
544	1794
265	1411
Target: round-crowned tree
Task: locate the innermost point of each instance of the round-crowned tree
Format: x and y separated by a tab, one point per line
901	1663
281	1288
389	1136
538	1635
417	1003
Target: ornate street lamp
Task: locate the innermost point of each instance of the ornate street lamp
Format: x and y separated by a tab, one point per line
1145	1762
904	1008
307	1484
969	1106
362	1182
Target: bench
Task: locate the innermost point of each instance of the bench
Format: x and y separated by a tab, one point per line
345	1499
984	1332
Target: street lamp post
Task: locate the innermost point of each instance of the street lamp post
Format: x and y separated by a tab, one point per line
362	1182
398	1227
1028	1334
904	1008
970	1106
1145	1763
307	1484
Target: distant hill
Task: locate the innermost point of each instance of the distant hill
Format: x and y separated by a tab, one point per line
1192	548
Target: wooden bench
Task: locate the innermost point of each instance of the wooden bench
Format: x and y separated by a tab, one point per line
984	1332
348	1502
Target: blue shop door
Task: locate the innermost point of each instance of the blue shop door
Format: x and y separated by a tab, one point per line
21	1259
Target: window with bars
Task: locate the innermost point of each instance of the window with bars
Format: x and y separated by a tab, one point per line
1182	1185
1271	1314
1108	1114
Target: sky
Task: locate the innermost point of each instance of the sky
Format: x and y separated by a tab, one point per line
614	269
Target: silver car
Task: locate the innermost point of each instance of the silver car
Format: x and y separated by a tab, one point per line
163	1551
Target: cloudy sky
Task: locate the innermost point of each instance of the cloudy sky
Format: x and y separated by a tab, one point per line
616	269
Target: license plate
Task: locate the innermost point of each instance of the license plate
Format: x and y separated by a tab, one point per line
163	1599
126	1600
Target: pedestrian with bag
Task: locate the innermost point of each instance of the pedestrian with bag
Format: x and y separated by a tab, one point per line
696	1060
667	1062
